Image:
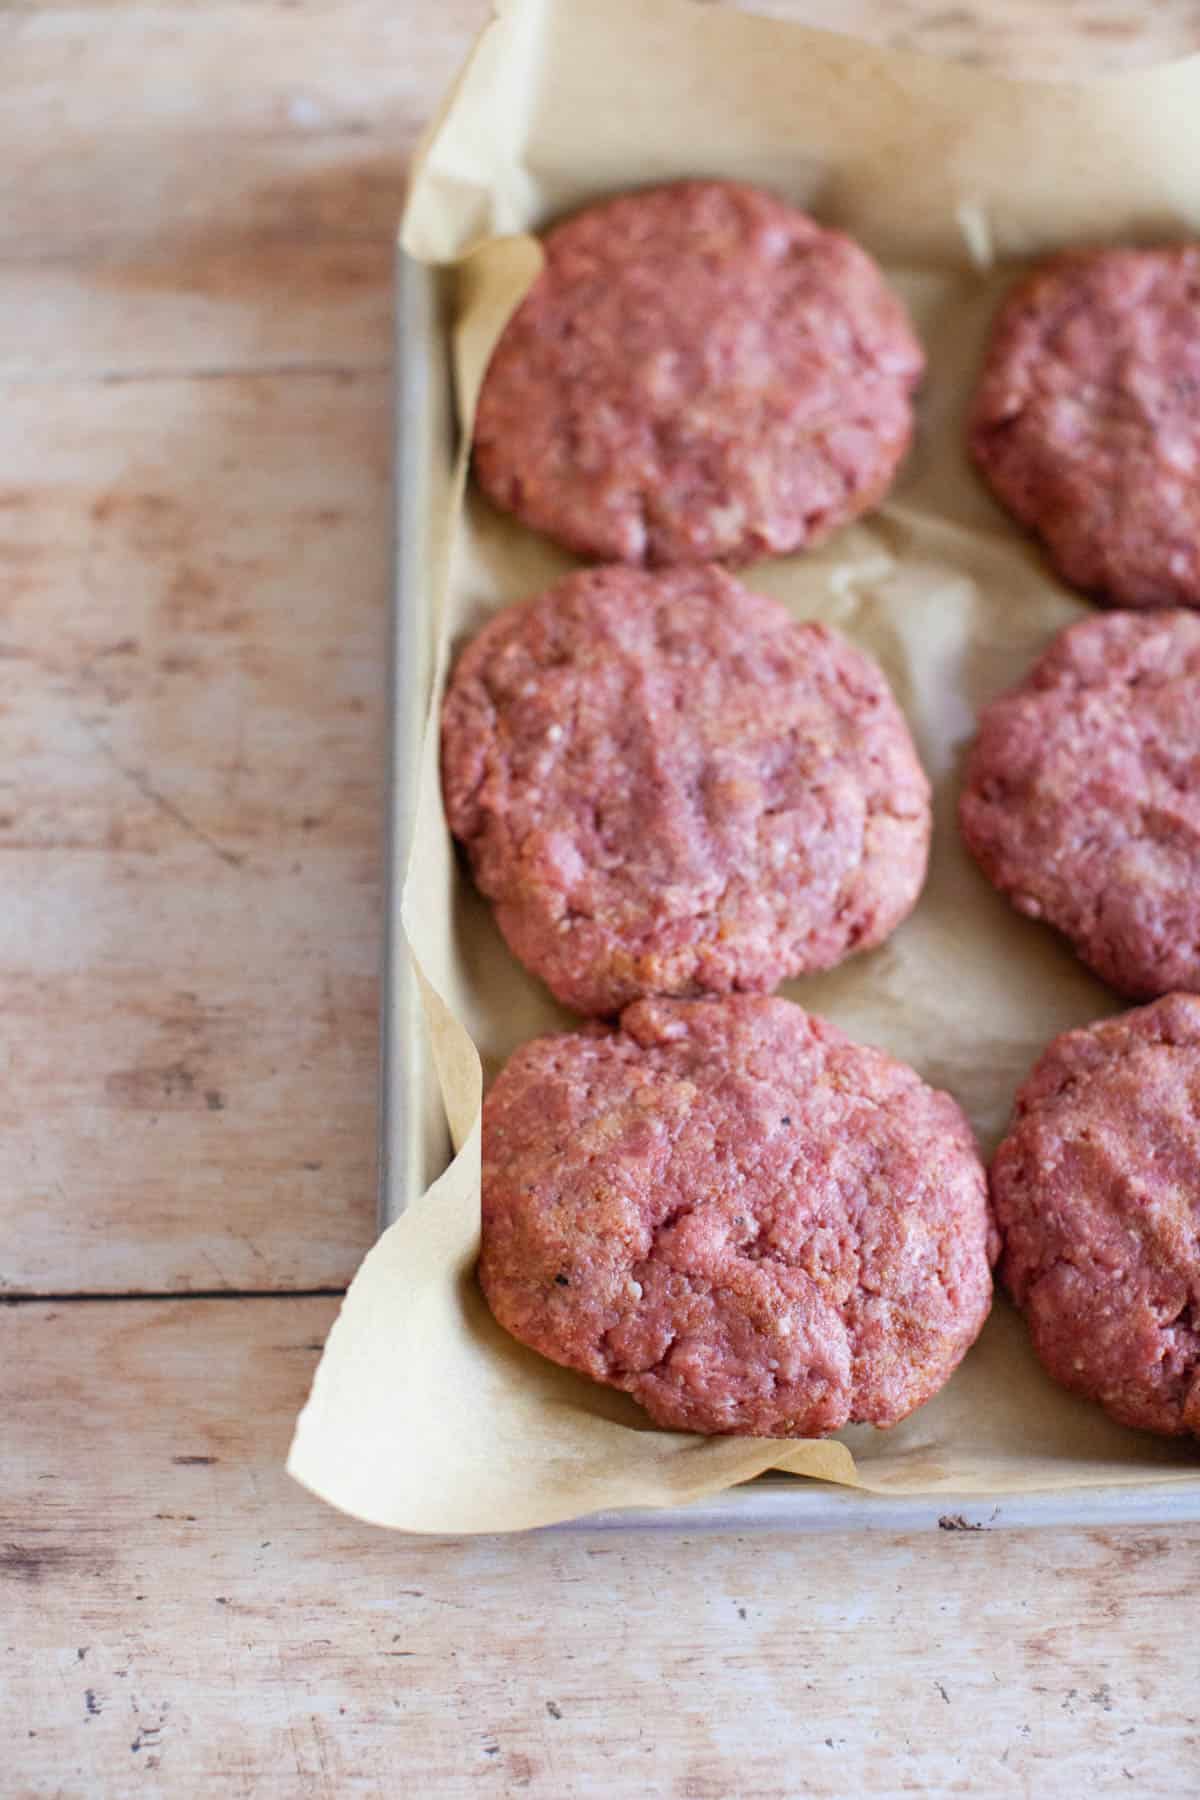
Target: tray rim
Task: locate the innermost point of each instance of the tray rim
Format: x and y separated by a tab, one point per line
398	1113
774	1501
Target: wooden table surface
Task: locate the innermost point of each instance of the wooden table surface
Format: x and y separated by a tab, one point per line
194	323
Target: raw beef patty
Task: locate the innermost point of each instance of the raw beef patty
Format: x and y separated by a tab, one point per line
666	785
737	1215
1097	1195
700	372
1086	423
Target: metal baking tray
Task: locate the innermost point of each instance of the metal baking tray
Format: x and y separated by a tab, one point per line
414	1144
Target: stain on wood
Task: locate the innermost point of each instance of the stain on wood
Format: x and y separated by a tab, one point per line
31	1563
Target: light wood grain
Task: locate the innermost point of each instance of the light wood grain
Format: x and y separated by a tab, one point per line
192	634
195	300
214	303
1069	38
209	187
144	125
190	1623
1065	36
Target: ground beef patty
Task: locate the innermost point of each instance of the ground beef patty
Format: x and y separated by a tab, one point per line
667	785
699	372
1087	420
1097	1195
1082	796
729	1210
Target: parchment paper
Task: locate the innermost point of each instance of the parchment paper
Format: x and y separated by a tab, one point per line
423	1414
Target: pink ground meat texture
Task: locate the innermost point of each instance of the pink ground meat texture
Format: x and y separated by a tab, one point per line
738	1216
700	372
1097	1194
667	785
1082	796
1087	420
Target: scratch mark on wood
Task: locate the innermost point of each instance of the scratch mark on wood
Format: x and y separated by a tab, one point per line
142	784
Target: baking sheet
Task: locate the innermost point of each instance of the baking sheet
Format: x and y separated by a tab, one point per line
423	1414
